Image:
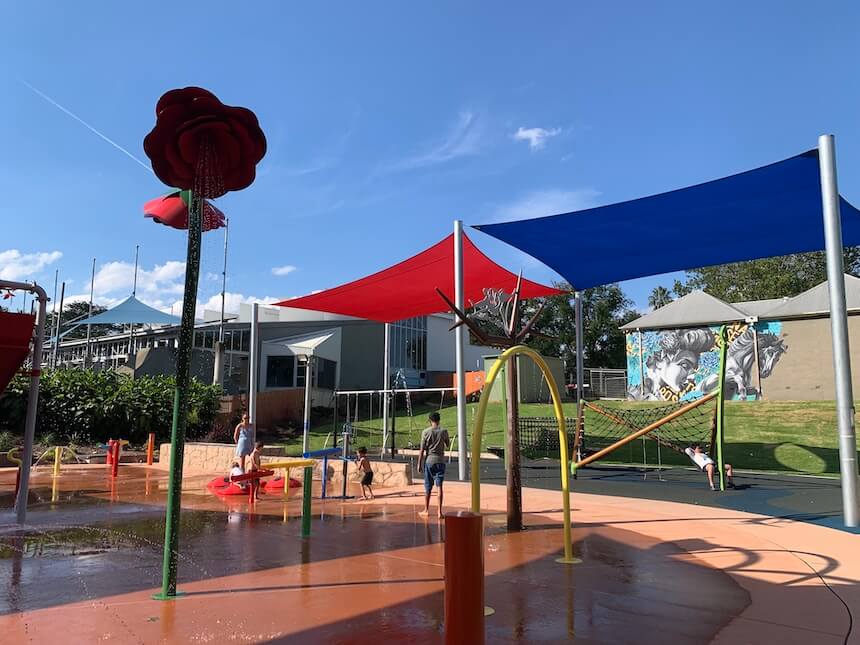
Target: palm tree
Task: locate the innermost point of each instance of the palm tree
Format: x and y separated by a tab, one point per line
660	297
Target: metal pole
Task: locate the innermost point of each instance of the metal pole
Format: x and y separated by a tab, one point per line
180	401
306	427
386	386
839	329
253	367
223	282
641	367
90	315
54	319
580	369
462	447
32	397
757	365
133	294
56	347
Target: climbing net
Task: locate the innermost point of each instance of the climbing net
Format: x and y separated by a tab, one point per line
676	426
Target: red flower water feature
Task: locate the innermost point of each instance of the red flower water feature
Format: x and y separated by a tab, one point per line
200	144
172	210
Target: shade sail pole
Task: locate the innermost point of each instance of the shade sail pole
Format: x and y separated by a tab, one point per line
839	328
386	385
458	344
254	368
580	367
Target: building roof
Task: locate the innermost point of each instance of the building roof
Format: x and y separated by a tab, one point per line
816	301
696	308
700	308
758	307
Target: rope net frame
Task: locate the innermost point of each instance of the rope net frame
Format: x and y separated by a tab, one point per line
675	426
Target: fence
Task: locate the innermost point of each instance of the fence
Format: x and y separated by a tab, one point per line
603	383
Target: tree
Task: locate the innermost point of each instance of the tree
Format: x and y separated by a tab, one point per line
660	297
778	277
604	310
75	311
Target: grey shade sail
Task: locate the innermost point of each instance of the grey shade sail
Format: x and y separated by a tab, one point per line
131	311
696	308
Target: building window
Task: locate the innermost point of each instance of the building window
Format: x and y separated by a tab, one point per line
409	344
280	371
326	373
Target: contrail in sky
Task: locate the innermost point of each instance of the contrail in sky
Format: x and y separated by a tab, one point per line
87	126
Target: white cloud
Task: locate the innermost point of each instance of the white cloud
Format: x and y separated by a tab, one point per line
232	302
213	277
162	279
546	202
287	269
535	136
15	265
463	139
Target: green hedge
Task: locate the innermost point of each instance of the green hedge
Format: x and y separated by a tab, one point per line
86	407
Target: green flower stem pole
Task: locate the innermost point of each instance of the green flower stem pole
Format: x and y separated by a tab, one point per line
180	401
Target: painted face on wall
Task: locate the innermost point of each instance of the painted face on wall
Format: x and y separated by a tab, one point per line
677	369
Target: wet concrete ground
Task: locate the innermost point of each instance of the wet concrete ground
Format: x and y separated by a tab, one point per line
90	558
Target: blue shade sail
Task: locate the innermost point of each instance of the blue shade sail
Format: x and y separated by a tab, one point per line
131	311
766	212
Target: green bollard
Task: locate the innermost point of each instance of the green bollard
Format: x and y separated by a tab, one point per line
307	485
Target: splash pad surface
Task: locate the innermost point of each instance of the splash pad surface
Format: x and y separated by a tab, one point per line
651	572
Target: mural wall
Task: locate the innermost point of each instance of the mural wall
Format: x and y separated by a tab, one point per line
683	364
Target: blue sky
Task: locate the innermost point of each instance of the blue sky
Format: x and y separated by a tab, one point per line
387	120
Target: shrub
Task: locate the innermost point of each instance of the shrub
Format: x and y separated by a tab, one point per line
82	406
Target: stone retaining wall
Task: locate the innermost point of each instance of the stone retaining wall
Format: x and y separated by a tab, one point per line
216	458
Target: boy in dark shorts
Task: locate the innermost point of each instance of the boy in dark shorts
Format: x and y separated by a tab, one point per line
363	464
434	443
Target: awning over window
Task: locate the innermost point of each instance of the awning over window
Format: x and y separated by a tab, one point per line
408	289
770	211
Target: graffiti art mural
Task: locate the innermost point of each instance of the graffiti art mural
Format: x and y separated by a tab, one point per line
683	364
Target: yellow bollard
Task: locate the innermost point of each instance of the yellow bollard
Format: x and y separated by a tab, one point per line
286	483
58	454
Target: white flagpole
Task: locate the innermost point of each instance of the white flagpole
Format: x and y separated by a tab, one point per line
90	315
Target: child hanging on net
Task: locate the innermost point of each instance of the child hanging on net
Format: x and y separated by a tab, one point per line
706	464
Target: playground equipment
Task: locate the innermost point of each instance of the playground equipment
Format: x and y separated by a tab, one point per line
324	454
16	347
464	578
675	426
365	412
504	357
150	448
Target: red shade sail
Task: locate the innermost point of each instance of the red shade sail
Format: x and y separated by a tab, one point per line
408	289
16	330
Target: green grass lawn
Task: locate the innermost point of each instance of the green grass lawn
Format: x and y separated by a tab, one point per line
783	436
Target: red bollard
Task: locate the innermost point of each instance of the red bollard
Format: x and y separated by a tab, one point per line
150	448
109	456
115	460
464	578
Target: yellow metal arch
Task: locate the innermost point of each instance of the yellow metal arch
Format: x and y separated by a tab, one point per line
562	436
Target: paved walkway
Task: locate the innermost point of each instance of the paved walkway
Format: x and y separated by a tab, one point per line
652	571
